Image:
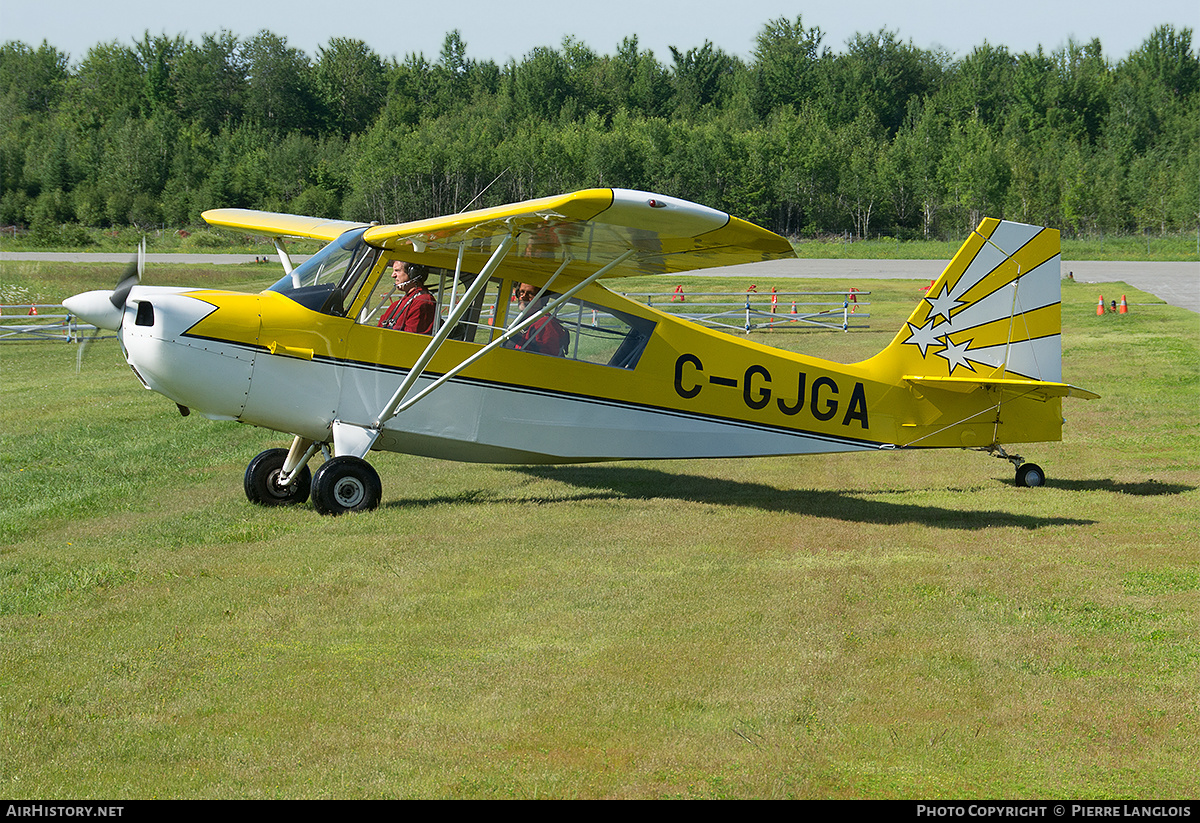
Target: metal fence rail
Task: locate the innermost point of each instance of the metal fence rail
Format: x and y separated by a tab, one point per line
42	321
766	310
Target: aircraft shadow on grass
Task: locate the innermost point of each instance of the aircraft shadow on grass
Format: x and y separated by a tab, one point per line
608	482
1144	488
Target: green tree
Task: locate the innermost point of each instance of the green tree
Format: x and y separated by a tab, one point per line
210	82
637	81
973	174
31	80
158	56
979	84
909	168
538	85
785	58
702	76
281	97
350	81
109	84
878	74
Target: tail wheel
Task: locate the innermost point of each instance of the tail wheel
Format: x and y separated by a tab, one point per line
346	484
1030	475
262	481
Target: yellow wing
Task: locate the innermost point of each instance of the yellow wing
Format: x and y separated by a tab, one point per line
591	227
274	224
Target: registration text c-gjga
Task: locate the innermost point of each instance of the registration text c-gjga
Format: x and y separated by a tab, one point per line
824	396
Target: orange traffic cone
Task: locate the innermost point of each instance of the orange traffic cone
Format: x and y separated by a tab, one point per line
1124	306
32	310
1100	307
678	293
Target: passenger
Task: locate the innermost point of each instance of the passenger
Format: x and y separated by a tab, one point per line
416	310
545	335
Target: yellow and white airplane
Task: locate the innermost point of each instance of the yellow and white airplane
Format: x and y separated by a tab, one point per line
977	365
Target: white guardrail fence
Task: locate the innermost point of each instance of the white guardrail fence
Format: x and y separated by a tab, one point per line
763	310
721	310
40	321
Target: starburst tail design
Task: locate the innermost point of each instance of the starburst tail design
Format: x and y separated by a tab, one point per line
994	311
982	352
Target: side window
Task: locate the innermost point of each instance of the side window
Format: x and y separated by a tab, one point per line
478	324
415	298
402	299
578	330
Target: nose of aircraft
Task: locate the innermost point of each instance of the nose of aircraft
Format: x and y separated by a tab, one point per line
98	308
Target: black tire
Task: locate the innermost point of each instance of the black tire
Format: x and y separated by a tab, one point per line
346	484
262	481
1030	475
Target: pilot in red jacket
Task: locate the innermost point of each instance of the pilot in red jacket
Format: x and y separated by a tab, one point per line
545	335
416	309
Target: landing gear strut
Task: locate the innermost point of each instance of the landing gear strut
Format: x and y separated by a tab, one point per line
1029	475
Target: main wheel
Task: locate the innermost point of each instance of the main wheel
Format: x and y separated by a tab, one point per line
346	484
1030	475
262	481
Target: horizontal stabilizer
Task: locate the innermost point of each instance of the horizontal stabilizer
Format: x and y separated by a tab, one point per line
1039	389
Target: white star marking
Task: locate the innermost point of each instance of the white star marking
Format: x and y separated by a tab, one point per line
923	337
956	354
943	303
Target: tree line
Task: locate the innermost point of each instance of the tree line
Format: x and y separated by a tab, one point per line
881	137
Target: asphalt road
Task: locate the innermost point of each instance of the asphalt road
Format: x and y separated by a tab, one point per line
1175	283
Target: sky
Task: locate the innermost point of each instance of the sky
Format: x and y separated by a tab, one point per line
502	29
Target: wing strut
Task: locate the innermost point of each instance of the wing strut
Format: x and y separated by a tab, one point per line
286	260
350	439
511	332
460	308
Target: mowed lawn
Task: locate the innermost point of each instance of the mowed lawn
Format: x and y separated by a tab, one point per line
895	625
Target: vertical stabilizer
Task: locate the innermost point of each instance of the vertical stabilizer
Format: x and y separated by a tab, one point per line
993	313
981	355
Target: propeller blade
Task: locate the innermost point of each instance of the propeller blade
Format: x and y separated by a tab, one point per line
94	306
84	344
131	278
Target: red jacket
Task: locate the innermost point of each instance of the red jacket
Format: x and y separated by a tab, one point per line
413	312
546	336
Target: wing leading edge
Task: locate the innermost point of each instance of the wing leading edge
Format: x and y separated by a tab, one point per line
274	224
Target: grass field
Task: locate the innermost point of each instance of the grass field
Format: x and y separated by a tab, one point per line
899	625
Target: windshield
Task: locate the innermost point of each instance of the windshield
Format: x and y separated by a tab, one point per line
323	281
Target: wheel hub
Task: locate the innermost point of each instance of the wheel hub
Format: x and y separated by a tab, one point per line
349	491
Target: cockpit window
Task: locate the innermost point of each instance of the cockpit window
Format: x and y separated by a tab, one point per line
580	330
328	280
576	330
441	290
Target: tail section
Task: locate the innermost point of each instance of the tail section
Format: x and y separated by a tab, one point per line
982	353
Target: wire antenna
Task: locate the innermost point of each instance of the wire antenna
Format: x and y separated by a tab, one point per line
485	188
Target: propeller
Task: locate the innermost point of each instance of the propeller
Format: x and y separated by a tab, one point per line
106	309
